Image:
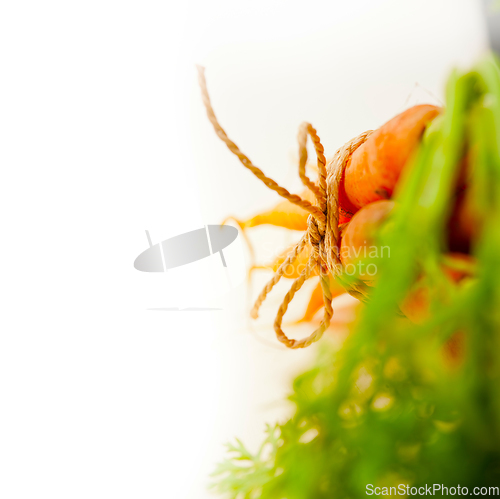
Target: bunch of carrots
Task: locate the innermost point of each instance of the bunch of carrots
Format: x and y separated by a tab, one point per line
412	396
366	190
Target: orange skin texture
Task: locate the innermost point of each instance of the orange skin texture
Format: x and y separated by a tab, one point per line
346	209
359	235
374	168
344	217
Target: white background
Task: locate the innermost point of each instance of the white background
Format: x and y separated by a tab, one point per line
103	135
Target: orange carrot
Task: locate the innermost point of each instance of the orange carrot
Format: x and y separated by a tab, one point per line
316	300
315	303
285	214
293	270
359	238
374	168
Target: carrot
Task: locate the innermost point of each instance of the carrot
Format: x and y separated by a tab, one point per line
316	300
293	270
344	215
315	303
374	168
284	214
359	239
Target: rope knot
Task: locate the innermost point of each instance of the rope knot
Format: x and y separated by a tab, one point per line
315	234
316	239
322	232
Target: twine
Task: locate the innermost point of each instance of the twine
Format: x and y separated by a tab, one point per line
323	232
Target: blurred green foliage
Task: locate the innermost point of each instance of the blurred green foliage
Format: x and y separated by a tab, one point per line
388	408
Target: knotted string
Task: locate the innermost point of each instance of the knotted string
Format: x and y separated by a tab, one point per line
322	233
